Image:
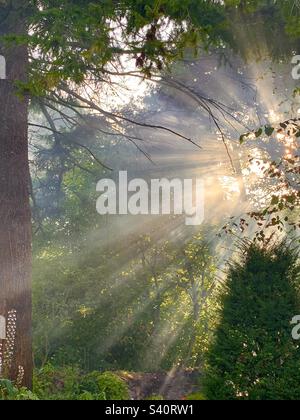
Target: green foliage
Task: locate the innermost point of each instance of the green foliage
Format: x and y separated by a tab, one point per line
68	383
62	383
282	208
8	392
290	128
268	28
76	38
196	397
253	356
104	386
155	398
79	38
99	317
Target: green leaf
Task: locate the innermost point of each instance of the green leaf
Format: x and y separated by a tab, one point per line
243	138
258	133
275	200
269	130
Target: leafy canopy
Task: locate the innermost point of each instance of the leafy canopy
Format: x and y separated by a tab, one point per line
75	38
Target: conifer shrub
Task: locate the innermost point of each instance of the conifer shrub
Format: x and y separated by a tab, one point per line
253	356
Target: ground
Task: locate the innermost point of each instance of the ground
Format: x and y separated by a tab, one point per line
175	385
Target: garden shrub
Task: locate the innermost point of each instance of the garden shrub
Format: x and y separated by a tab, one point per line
104	386
8	392
254	356
51	383
197	396
68	383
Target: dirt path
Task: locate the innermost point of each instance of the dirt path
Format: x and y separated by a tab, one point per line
175	385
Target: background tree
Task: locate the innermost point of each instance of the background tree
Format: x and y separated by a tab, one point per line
282	180
196	274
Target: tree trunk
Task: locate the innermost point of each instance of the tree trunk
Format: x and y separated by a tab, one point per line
195	295
15	218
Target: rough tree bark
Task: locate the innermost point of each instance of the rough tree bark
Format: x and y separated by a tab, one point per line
15	218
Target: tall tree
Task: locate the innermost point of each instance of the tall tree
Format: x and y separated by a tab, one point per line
15	219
